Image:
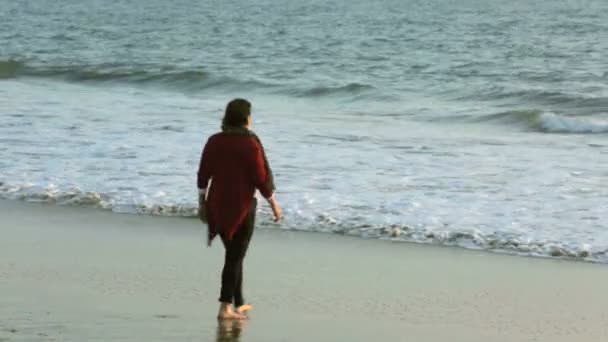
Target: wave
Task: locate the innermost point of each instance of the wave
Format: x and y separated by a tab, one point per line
351	88
511	243
590	99
548	122
103	73
473	239
172	77
90	199
10	68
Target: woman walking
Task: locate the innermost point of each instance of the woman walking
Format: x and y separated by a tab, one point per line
233	165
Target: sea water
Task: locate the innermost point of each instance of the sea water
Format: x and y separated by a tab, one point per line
481	124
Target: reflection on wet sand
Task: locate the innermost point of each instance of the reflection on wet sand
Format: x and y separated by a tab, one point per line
229	330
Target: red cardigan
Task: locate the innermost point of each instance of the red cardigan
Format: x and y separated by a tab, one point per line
235	165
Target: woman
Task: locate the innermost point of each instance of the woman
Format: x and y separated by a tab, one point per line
235	164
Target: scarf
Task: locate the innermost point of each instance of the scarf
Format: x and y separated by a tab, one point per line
246	131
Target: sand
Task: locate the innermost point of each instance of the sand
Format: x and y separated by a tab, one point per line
75	274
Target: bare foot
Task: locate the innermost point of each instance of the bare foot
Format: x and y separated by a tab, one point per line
226	312
244	308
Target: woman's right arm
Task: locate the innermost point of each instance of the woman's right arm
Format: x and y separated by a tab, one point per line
276	209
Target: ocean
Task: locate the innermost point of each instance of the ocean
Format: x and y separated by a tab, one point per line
479	124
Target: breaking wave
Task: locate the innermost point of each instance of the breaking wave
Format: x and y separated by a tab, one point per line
547	122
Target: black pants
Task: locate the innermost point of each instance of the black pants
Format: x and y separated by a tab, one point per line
232	274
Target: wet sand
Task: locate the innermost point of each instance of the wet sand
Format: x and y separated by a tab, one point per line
74	274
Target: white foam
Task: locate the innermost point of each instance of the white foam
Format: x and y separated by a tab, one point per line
517	243
562	124
473	188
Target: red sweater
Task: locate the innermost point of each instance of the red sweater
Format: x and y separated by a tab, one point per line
235	165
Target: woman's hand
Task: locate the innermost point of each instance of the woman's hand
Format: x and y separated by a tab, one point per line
202	208
276	209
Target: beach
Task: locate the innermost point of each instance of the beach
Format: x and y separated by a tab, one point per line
74	274
441	169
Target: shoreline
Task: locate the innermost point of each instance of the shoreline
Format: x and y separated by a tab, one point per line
563	254
70	274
